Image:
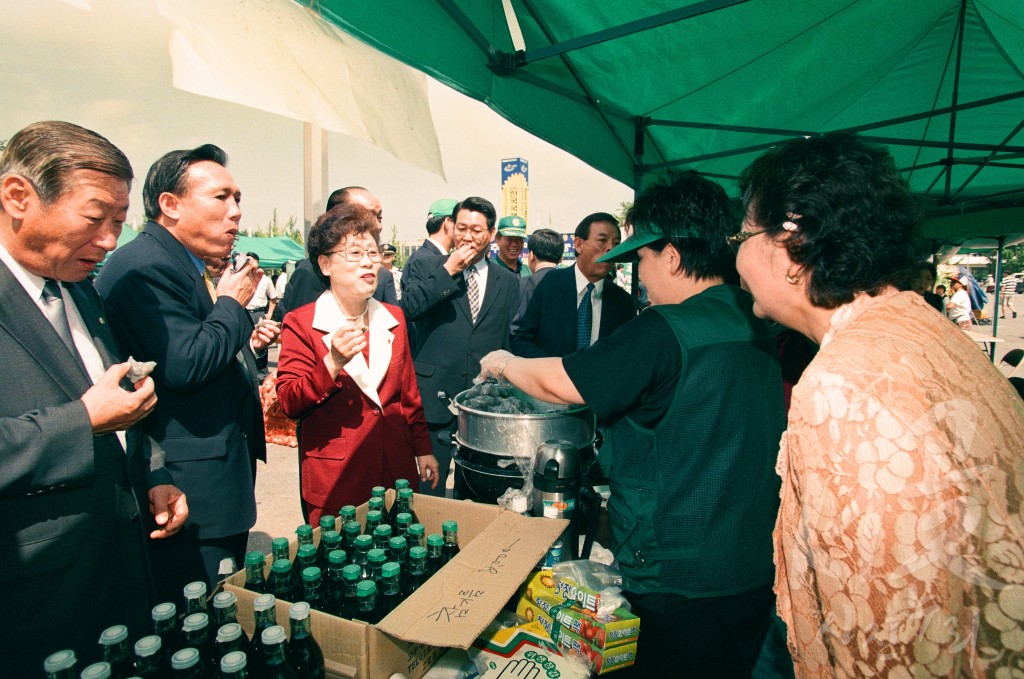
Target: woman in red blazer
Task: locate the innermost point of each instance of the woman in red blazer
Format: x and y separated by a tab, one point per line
346	373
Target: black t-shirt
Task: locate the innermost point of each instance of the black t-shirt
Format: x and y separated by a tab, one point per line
634	371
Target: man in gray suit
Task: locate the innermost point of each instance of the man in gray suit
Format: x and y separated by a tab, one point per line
72	539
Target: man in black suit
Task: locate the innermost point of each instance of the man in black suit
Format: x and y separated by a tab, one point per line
72	481
306	285
440	238
163	308
462	306
574	307
546	250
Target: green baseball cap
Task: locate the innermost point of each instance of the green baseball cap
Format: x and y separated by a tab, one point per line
442	207
512	226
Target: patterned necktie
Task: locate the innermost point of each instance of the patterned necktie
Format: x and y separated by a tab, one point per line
584	319
473	291
53	305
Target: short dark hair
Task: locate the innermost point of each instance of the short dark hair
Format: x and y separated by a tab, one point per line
253	255
47	153
694	215
583	228
856	225
335	225
169	174
341	196
477	204
547	245
434	223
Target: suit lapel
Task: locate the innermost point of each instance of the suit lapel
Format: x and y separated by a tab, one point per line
568	293
23	320
184	262
491	293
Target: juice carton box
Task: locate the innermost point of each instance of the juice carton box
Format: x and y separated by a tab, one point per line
601	660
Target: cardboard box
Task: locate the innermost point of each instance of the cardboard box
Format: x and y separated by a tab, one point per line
601	660
498	550
621	627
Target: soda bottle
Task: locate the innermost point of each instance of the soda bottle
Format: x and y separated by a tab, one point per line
376	559
279	549
195	598
378	492
417	535
280	581
149	660
165	625
451	541
398	551
404	504
346	514
392	591
232	665
196	634
362	546
305	558
381	535
417	570
254	565
329	541
305	534
187	664
230	638
264	616
352	530
435	543
313	588
274	663
116	651
225	610
351	575
402	522
393	509
372	521
98	670
305	537
61	665
303	652
335	583
327	522
366	601
376	504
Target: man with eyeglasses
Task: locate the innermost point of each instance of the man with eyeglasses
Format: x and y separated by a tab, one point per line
462	306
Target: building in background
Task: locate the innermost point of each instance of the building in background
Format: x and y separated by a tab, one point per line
515	180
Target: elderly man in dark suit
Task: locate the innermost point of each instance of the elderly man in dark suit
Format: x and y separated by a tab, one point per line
72	539
574	307
462	306
163	308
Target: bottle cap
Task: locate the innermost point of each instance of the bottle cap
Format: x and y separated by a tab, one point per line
417	529
327	522
351	572
299	611
373	516
391	570
405	493
337	557
404	518
185	658
279	544
401	483
366	588
550	512
347	510
229	631
434	540
195	590
232	662
364	541
519	504
307	551
264	602
449	526
147	646
398	542
305	530
114	635
164	611
311	574
330	536
224	600
383	530
377	491
375	504
353	528
61	660
273	635
281	566
255	559
196	621
418	552
377	555
97	670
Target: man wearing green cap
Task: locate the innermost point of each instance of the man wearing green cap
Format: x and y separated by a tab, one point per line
510	238
440	236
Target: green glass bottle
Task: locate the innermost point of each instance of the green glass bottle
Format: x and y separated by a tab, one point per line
334	585
327	522
373	519
435	543
346	514
329	541
165	625
195	598
398	551
279	549
451	541
187	664
233	665
230	638
280	581
99	670
305	558
352	530
149	659
376	504
364	543
402	522
417	535
381	535
304	534
255	562
368	609
116	650
313	588
264	616
417	570
303	652
225	610
61	665
378	492
392	588
196	634
305	538
274	662
404	504
376	558
352	575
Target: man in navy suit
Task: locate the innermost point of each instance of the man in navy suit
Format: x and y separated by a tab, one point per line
440	236
462	306
579	296
546	250
72	479
164	308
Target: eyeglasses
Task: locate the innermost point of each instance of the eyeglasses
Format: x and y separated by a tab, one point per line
736	240
461	229
356	254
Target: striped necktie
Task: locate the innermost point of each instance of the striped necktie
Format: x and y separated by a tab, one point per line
473	291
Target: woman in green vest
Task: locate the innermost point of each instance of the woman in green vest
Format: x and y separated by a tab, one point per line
691	396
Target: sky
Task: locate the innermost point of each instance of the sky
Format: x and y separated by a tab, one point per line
106	65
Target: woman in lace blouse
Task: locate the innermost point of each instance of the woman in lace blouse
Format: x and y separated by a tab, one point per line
899	546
